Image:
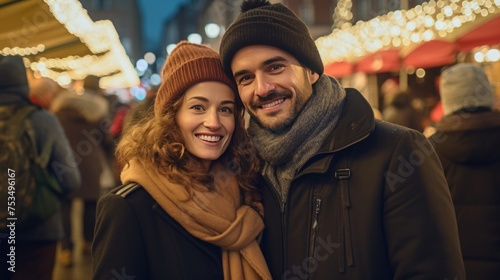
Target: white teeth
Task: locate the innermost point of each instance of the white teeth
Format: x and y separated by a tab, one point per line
274	103
209	138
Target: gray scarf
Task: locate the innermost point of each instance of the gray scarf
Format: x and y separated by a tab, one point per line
286	151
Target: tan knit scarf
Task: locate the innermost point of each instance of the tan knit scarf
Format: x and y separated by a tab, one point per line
215	216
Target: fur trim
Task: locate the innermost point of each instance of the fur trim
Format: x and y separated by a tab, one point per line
91	107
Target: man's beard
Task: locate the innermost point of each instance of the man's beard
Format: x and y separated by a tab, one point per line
281	124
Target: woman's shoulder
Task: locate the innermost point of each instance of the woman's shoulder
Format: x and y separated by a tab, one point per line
129	193
126	189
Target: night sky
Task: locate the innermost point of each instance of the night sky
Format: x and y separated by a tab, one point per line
154	14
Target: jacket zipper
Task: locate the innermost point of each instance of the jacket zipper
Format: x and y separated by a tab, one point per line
346	256
282	205
314	231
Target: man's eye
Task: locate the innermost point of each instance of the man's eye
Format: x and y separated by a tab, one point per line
244	80
275	67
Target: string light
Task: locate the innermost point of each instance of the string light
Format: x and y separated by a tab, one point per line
401	28
101	38
342	16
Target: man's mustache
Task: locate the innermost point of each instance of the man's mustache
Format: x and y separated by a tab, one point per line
273	95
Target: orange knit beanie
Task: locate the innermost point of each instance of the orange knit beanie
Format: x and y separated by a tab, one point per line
187	65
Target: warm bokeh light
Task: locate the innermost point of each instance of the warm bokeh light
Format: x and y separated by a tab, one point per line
212	30
485	54
138	92
155	79
479	57
420	73
194	38
170	48
493	55
100	37
398	28
141	65
150	57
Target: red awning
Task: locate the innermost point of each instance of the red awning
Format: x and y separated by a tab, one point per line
487	33
379	62
439	52
339	69
431	54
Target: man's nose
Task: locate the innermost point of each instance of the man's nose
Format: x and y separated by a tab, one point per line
263	85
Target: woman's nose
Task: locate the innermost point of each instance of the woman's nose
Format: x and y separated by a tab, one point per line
212	120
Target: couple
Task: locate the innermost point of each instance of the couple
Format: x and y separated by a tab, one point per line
333	193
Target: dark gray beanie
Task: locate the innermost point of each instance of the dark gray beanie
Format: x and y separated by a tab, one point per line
14	86
263	23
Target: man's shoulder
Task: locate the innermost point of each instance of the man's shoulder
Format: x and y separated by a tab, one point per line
388	129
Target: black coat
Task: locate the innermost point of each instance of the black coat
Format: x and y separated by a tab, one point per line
135	237
373	203
468	146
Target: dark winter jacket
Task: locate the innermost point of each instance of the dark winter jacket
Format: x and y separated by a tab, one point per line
14	89
468	146
373	203
144	242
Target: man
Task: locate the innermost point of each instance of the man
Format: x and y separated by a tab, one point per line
349	197
466	141
85	120
34	249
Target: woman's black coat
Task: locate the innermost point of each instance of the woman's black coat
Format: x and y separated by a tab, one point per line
136	239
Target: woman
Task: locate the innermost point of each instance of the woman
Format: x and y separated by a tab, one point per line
185	218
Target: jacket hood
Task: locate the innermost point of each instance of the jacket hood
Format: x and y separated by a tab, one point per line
90	107
13	81
469	138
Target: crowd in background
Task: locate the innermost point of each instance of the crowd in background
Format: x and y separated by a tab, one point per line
92	122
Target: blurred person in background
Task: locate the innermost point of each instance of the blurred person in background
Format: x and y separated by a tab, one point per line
85	119
467	141
118	113
35	249
137	111
435	114
43	91
189	207
401	111
388	90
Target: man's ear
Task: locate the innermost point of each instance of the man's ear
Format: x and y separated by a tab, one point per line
313	76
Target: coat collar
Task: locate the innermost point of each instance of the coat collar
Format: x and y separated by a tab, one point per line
355	124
